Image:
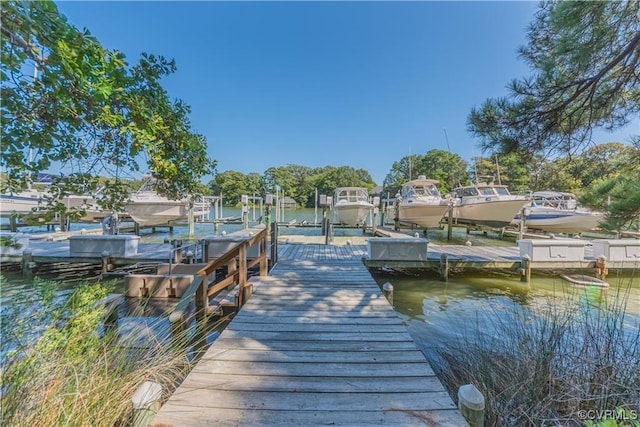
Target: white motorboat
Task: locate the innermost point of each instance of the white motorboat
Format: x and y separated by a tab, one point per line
558	212
23	202
486	205
147	208
421	203
87	204
351	206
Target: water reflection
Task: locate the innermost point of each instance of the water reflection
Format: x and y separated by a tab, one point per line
438	313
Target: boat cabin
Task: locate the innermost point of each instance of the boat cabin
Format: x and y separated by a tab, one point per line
351	194
420	187
482	190
555	199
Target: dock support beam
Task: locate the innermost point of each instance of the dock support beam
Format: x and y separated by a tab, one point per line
444	267
525	269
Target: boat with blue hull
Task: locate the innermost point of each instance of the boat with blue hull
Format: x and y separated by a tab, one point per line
558	212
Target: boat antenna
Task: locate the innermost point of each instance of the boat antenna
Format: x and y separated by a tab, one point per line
498	170
410	155
475	166
446	138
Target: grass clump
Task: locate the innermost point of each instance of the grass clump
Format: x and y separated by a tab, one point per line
60	366
552	365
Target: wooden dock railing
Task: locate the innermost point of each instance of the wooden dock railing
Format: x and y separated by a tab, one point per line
237	272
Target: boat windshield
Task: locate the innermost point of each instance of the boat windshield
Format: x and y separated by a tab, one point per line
502	191
486	191
352	195
427	190
466	192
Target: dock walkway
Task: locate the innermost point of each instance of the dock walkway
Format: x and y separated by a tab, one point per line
317	343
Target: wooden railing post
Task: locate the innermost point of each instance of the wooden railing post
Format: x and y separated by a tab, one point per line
274	244
264	269
205	250
242	272
202	300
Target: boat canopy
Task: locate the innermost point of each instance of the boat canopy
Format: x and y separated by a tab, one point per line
420	187
351	194
555	199
482	190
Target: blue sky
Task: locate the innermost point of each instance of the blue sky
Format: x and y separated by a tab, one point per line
325	83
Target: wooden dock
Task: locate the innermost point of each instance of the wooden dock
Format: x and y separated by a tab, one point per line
317	343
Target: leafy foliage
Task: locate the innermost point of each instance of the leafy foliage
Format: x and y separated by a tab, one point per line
85	109
62	370
448	168
584	58
585	62
297	181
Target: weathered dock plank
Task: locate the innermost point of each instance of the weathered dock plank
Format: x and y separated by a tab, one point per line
295	418
316	343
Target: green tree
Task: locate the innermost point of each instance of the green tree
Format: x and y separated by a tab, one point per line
585	61
619	192
584	58
231	184
401	171
448	168
329	178
85	109
254	183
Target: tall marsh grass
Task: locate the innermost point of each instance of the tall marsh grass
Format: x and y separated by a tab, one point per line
60	367
544	366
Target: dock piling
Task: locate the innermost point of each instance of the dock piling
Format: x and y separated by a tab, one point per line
601	267
146	402
450	222
27	262
471	404
106	258
444	267
525	269
387	290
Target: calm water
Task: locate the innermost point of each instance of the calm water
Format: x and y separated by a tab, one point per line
436	312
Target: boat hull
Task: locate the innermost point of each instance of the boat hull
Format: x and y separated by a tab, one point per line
20	203
560	221
150	213
92	212
352	214
490	213
422	215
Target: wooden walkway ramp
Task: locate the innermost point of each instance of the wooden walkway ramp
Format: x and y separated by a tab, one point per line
316	344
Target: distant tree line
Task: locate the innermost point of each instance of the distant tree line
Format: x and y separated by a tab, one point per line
584	174
298	182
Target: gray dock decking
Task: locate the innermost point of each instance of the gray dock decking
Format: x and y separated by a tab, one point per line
317	343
